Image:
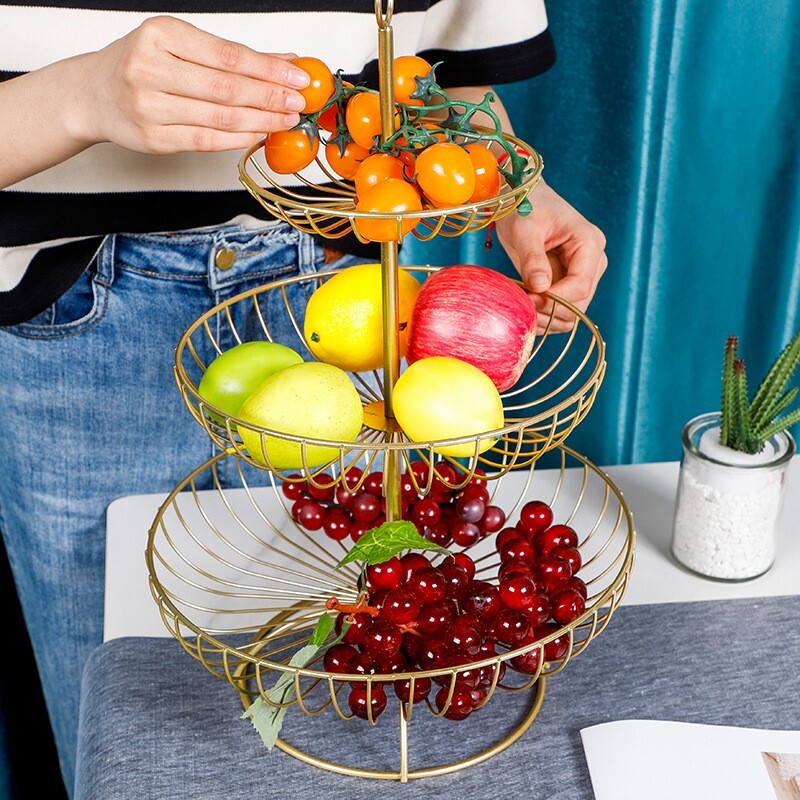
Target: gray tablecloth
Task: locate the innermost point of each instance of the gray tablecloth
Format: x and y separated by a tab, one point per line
155	724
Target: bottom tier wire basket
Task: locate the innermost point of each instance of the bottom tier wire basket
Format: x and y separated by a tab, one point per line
241	586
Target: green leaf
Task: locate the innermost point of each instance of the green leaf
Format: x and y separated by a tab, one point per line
320	633
781	424
773	411
267	719
777	377
382	543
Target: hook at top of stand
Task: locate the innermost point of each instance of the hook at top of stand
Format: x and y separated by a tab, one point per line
384	18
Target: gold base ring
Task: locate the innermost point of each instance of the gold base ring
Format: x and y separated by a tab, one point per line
430	772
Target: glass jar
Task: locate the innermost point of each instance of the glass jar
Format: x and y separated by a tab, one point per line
728	505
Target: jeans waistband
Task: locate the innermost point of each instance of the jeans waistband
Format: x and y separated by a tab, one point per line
221	255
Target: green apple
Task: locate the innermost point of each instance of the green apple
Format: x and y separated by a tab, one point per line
238	372
312	400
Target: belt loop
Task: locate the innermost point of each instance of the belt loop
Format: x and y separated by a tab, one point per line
307	254
105	260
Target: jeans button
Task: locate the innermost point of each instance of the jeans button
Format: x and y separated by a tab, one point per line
225	258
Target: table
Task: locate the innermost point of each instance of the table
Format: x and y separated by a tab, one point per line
154	724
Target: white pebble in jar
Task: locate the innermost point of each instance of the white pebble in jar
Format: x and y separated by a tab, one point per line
726	516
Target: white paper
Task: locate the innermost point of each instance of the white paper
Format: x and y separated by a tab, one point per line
635	759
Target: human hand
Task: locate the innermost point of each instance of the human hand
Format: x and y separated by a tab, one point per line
555	249
169	87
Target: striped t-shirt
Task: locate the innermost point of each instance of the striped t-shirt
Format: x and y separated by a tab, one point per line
108	189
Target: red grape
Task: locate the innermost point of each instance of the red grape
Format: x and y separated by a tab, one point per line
438	534
506	535
337	658
351	477
570	554
337	525
359	626
470	509
382	641
411	562
517	591
558	647
517	550
493	520
401	606
360	704
456	578
422	688
373	484
568	605
293	488
527	663
311	515
387	575
483	600
428	584
544	541
425	512
323	492
366	507
510	626
538	612
434	618
460	706
465	534
534	517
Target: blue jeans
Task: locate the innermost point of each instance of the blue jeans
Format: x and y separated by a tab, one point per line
90	412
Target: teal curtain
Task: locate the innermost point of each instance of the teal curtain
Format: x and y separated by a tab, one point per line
675	127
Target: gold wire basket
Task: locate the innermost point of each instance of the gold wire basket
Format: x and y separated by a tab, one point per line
555	392
330	209
240	585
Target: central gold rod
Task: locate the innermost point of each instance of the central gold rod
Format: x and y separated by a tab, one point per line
389	252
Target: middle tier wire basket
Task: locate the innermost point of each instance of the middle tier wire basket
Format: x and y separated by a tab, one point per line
553	395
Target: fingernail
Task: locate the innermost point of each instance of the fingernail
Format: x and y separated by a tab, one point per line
298	79
295	102
539	282
290	120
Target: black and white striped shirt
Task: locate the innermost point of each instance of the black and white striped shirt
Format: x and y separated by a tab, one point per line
108	189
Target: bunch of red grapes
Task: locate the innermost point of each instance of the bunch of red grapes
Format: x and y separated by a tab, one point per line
414	615
444	515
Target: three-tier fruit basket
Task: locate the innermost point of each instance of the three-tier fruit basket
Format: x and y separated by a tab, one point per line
241	583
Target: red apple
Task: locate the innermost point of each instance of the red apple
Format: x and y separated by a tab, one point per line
477	315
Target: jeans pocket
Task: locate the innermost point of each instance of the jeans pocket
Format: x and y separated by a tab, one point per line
78	309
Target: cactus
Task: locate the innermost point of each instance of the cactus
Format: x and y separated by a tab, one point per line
746	426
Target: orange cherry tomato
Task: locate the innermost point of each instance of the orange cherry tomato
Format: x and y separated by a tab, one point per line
363	118
290	151
406	68
487	177
345	164
393	196
327	119
378	167
445	174
318	92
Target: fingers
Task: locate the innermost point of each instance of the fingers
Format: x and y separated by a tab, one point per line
176	110
195	139
583	267
226	88
200	47
536	271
